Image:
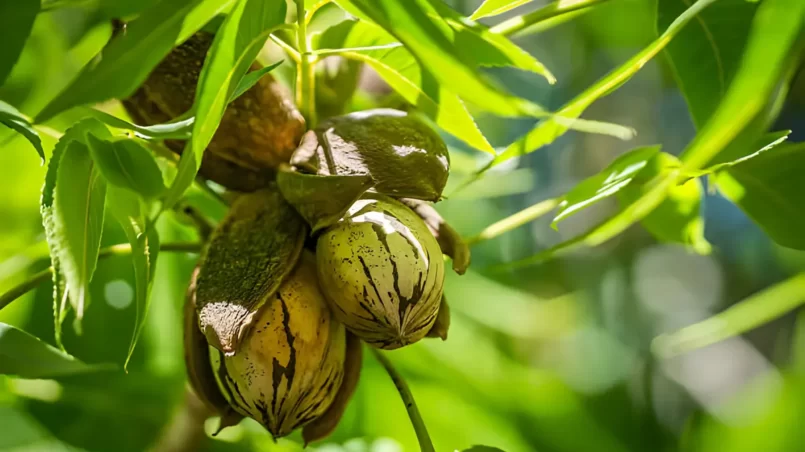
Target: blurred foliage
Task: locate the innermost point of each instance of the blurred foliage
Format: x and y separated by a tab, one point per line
555	356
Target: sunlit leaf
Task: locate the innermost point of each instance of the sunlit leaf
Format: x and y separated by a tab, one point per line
26	356
775	29
398	67
16	21
705	55
251	79
606	183
130	56
745	315
549	129
127	164
494	7
678	218
236	45
544	18
769	187
427	36
14	120
130	211
176	130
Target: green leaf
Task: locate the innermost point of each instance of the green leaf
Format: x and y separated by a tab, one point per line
427	36
769	188
80	195
485	48
743	316
129	57
16	21
130	211
321	200
177	130
549	129
53	225
494	7
773	37
541	19
251	79
27	356
678	218
705	56
483	448
13	119
606	183
236	45
370	44
127	164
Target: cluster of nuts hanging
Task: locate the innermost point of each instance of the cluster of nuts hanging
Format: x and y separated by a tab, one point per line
332	242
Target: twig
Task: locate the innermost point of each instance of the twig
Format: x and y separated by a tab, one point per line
425	444
514	221
305	80
114	250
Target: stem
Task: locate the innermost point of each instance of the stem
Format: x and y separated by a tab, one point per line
292	53
515	221
305	78
114	250
314	8
519	23
425	444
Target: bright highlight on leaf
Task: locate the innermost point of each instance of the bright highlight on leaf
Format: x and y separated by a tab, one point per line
494	7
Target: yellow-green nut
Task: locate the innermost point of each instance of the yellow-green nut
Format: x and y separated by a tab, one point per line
289	368
382	271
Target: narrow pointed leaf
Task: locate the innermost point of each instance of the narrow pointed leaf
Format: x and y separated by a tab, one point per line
14	120
26	356
251	79
494	7
16	21
129	57
236	45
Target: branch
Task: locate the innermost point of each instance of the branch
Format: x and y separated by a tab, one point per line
305	78
114	250
425	444
514	221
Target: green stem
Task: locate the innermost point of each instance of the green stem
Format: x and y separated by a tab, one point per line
515	221
305	78
114	250
519	23
425	444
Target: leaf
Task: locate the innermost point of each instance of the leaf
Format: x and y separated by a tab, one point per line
129	57
127	164
606	183
772	39
494	7
26	356
427	36
251	79
248	257
741	317
769	188
54	233
398	67
179	129
549	129
678	218
403	156
129	210
705	56
236	45
478	44
80	194
321	200
13	119
16	21
483	448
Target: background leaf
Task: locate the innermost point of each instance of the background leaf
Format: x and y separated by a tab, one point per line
706	54
16	21
127	164
129	57
427	36
13	119
130	211
26	356
236	45
769	188
398	67
494	7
